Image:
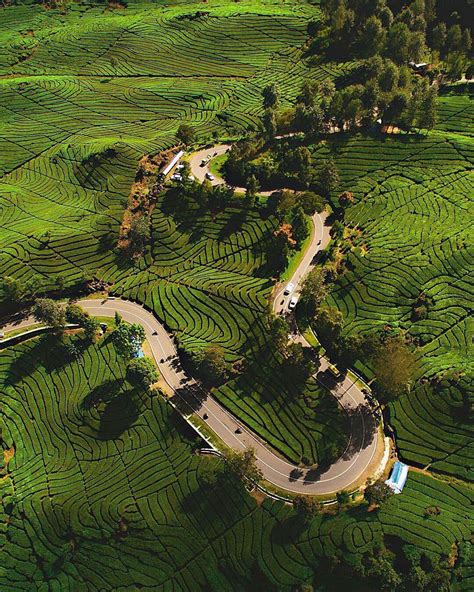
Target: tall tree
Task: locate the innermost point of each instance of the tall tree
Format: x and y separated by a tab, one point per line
306	507
427	114
243	465
278	334
397	43
128	339
329	322
373	36
185	134
314	289
271	96
143	370
377	493
328	176
140	232
251	190
394	367
300	226
213	366
50	313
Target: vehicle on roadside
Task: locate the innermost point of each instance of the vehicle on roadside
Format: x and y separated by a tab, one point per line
289	288
334	371
203	162
177	177
210	176
293	302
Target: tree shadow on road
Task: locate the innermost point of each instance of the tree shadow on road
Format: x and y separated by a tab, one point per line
363	430
189	398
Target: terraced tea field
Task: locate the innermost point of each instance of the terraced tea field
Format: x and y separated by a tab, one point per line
83	95
207	279
414	203
434	427
100	490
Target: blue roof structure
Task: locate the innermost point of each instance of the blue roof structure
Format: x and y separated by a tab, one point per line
398	477
138	354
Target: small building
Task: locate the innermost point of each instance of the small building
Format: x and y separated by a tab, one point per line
398	477
420	68
175	160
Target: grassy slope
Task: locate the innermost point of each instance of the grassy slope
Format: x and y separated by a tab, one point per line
110	497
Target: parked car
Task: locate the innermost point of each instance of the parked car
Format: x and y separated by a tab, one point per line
289	288
333	371
293	302
210	176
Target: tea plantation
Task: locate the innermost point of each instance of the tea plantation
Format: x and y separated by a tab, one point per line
411	236
102	486
101	491
83	95
414	197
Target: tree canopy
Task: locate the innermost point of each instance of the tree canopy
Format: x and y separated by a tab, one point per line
128	339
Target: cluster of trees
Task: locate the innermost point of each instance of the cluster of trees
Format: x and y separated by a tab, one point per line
378	89
292	211
393	360
389	40
54	314
207	363
15	292
128	339
298	362
286	165
421	30
209	197
139	234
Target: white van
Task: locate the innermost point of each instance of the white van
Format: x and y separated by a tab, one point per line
293	302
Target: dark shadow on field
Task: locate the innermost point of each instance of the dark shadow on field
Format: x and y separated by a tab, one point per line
289	530
189	398
118	416
103	393
217	500
109	410
47	351
234	224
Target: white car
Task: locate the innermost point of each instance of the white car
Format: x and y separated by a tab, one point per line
177	177
210	176
293	302
289	289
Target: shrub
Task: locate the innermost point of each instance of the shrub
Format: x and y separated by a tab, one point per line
143	371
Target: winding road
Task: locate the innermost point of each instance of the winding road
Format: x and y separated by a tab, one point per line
363	444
